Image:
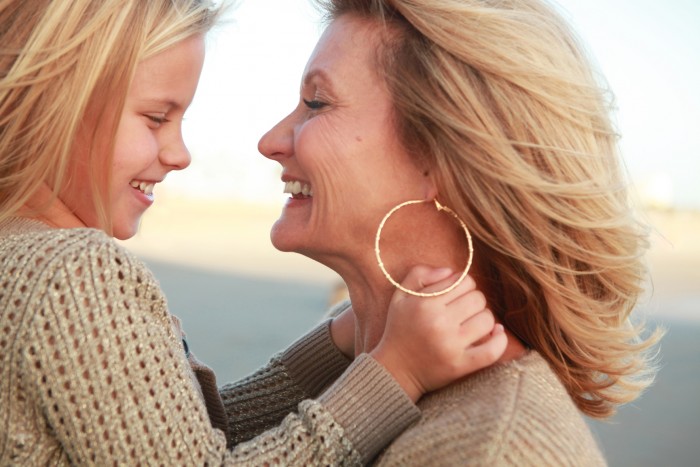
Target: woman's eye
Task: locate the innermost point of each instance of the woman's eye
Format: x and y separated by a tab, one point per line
314	104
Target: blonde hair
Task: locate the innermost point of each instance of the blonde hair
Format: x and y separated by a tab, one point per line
62	60
498	102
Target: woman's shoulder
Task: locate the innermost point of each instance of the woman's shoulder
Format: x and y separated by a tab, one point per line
540	422
516	411
528	393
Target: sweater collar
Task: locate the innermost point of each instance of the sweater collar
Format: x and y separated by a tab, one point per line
20	225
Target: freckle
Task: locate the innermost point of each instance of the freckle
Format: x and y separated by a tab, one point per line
358	139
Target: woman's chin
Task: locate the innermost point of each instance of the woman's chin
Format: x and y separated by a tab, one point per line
281	246
291	237
282	239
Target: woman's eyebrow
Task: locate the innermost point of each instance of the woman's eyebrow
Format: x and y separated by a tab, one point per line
321	75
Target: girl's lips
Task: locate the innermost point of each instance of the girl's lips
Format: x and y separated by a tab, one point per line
143	191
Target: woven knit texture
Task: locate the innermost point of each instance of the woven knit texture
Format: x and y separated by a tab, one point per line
93	372
515	414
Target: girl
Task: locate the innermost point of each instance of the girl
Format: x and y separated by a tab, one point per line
94	368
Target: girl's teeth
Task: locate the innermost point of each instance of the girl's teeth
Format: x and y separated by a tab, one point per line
145	187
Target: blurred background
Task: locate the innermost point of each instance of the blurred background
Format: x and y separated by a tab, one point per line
207	238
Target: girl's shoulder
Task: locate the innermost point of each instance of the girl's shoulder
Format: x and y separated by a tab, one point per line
52	274
40	253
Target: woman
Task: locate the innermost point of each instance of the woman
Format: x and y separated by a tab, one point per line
492	109
95	370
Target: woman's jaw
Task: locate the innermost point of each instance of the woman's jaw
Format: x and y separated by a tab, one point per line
414	235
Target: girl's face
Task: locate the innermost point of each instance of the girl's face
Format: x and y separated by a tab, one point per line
148	142
342	162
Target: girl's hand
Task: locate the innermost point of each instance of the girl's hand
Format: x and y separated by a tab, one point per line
429	342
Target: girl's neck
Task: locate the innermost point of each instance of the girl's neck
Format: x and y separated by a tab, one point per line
45	206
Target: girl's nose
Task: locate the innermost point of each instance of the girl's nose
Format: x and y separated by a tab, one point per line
175	155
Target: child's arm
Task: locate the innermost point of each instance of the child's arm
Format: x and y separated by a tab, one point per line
428	342
314	361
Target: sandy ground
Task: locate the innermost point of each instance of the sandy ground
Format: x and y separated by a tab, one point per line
221	236
230	237
241	300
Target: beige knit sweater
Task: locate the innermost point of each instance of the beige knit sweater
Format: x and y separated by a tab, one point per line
94	373
514	414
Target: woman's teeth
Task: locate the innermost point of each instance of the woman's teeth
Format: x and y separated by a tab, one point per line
145	187
296	188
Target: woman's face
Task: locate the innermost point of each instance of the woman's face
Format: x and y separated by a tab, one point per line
341	160
148	142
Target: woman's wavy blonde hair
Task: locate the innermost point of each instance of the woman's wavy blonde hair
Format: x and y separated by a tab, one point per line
497	100
60	60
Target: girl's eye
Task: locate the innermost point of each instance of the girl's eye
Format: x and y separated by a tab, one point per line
158	119
314	104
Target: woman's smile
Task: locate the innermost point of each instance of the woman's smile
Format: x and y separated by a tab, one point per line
333	145
298	190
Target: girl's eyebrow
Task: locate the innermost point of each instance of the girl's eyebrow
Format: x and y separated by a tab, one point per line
165	102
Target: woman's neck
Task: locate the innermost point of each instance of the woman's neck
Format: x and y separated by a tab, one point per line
420	240
414	235
370	305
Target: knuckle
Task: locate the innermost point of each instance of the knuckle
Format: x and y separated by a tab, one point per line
418	271
469	282
489	318
478	299
494	349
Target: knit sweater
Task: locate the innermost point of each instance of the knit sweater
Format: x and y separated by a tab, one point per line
94	372
512	414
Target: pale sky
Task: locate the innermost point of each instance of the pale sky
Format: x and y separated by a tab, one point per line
648	50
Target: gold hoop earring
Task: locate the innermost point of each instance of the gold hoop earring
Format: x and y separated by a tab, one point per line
439	207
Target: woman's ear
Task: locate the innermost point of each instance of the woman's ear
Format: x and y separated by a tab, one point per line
429	187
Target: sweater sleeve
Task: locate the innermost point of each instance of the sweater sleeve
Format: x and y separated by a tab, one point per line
261	400
112	382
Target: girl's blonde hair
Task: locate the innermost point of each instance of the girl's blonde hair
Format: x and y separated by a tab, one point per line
61	60
498	102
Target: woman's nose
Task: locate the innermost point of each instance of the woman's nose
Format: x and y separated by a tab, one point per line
278	142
